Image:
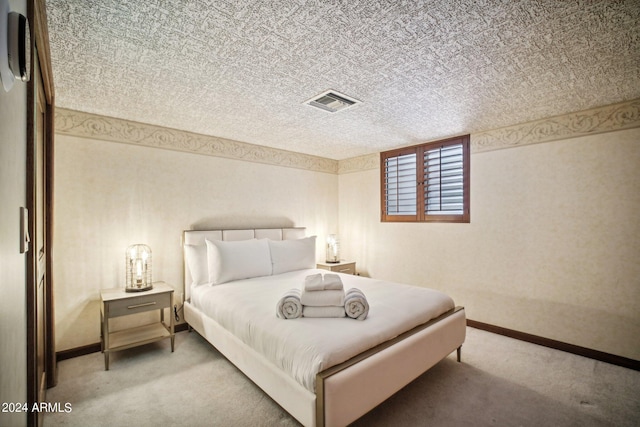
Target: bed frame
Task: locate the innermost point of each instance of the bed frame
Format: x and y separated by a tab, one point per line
346	391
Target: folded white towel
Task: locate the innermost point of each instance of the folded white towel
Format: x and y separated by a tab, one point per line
355	304
313	282
322	298
332	281
328	311
318	282
289	306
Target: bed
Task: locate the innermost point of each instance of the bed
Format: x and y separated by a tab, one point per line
324	372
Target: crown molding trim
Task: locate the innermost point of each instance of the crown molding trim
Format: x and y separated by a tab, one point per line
86	125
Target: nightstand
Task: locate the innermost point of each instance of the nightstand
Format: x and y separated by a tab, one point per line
117	302
347	267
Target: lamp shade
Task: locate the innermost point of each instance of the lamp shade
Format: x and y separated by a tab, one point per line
138	266
333	249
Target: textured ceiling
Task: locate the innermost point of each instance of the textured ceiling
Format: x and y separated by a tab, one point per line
423	69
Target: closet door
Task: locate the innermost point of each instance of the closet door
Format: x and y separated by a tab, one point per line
40	333
37	284
40	242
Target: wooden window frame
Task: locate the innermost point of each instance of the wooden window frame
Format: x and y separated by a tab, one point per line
421	215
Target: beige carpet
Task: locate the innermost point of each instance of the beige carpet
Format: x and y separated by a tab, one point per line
501	382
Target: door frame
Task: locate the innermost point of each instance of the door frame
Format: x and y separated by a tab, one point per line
36	14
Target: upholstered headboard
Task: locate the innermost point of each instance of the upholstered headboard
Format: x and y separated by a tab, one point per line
198	237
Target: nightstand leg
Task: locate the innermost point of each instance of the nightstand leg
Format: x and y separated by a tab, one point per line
101	332
172	330
104	332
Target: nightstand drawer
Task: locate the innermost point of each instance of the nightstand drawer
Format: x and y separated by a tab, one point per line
138	304
345	267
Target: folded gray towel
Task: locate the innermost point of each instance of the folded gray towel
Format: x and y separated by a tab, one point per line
289	306
355	304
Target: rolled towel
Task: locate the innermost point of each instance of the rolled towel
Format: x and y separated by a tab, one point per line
355	304
328	311
322	298
289	306
333	282
313	282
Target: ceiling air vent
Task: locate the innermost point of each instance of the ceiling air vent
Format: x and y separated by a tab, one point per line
332	101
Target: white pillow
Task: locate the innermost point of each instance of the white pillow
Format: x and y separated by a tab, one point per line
235	260
289	255
197	262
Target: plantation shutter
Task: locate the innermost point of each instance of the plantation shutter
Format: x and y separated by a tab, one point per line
400	190
426	183
444	180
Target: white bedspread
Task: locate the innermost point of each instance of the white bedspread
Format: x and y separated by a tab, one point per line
305	346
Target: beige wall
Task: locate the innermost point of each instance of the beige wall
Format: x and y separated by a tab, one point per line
552	249
110	195
13	316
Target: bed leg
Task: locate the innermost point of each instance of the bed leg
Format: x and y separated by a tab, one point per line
459	354
189	328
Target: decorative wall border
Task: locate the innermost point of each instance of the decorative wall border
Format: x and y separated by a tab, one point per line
624	115
360	163
86	125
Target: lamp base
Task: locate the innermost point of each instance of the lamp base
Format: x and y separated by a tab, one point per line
332	262
136	289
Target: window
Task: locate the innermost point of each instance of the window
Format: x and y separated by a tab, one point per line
426	183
